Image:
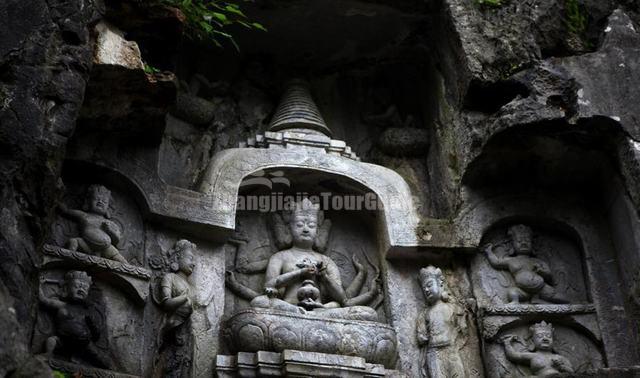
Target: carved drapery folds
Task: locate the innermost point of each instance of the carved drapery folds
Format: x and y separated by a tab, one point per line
441	329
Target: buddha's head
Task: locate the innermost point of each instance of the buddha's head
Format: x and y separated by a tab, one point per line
433	284
522	239
98	201
184	250
77	284
304	224
542	336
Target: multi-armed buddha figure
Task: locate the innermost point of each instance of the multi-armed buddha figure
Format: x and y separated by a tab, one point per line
293	274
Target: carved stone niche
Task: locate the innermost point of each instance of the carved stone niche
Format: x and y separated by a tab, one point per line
79	330
304	279
108	242
252	327
522	265
531	285
100	231
561	349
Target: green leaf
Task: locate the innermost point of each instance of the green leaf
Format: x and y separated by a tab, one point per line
258	26
222	33
220	17
235	10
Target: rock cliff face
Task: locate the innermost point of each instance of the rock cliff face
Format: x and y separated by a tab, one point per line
46	56
492	114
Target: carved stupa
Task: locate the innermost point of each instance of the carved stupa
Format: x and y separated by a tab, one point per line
297	110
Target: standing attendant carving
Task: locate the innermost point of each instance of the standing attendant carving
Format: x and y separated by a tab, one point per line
540	358
175	289
439	327
533	280
98	234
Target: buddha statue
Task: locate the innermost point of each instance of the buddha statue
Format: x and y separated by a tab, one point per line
301	280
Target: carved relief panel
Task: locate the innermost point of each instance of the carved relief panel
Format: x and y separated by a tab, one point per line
520	264
344	238
307	280
535	310
98	241
542	349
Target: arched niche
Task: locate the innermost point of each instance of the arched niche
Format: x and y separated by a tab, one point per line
582	224
225	174
355	232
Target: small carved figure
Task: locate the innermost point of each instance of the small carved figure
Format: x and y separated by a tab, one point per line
175	289
308	295
439	326
98	234
540	358
287	271
76	329
532	276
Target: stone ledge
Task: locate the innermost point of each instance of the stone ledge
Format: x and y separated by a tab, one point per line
284	139
299	364
257	329
132	279
96	262
510	309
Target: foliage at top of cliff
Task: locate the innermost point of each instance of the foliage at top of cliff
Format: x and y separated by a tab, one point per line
207	20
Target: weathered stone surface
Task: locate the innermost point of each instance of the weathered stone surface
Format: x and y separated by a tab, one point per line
404	142
272	330
479	117
603	75
45	57
112	49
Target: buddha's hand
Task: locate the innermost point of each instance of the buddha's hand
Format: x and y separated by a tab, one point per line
271	292
487	248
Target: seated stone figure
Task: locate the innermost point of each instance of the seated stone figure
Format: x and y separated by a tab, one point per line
75	327
98	234
542	360
532	276
300	267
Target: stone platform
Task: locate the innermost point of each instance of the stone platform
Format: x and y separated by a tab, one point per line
294	363
255	330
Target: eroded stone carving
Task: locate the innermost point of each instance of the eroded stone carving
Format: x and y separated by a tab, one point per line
533	280
439	327
133	279
305	306
98	234
175	289
540	357
76	324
